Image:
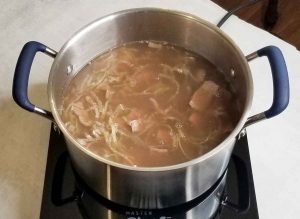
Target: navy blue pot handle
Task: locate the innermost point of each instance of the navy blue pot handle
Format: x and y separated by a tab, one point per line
21	76
281	90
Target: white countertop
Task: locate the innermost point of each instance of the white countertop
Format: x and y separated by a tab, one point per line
274	144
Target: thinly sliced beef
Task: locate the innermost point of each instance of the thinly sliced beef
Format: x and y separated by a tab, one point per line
197	120
83	115
204	95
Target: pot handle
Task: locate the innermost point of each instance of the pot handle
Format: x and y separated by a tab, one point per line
243	181
57	187
21	76
58	182
281	90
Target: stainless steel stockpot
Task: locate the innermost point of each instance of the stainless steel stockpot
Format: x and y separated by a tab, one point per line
151	187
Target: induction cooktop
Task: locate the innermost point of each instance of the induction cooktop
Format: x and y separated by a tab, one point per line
64	190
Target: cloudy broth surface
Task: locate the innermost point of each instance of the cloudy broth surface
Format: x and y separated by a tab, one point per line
149	104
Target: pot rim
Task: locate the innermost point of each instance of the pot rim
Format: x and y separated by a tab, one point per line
192	162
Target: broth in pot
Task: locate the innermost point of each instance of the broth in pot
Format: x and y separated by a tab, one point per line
149	104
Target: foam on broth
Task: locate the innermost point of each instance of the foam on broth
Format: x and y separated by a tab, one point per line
149	104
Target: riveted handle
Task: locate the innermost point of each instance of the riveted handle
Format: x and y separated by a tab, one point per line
281	90
21	77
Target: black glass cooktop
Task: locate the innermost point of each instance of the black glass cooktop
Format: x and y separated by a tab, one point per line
62	192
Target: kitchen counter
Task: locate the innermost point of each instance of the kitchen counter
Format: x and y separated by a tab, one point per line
274	144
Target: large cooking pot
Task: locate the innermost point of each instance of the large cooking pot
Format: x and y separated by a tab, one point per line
139	186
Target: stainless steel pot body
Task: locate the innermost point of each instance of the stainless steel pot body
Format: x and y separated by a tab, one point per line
151	187
205	208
